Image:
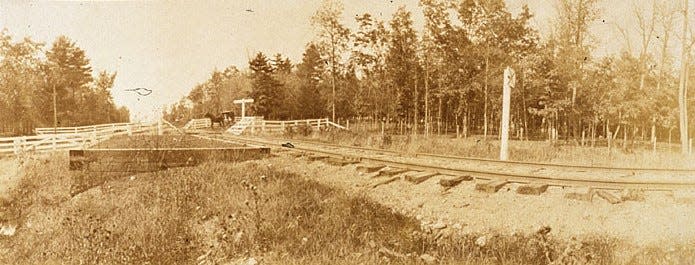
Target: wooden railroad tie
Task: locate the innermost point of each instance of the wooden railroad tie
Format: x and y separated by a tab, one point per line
450	182
532	188
364	168
491	186
317	157
392	179
419	177
580	194
609	196
391	172
339	162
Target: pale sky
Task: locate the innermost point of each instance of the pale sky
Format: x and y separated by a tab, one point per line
170	47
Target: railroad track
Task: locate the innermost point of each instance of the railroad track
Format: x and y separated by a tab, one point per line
513	171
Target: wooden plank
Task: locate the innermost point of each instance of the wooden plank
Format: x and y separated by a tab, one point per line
366	168
392	179
339	162
419	177
491	186
168	156
317	157
609	196
580	193
391	172
532	189
449	182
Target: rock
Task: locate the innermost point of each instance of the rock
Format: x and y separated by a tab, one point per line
428	259
8	230
481	241
251	261
439	225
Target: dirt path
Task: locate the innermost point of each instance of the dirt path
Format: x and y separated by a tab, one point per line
660	220
9	176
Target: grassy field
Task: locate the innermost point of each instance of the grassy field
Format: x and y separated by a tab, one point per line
534	151
217	213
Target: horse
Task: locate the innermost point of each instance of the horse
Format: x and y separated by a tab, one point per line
215	119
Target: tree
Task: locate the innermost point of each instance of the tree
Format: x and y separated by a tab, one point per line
267	92
333	39
19	76
70	73
368	60
402	65
310	73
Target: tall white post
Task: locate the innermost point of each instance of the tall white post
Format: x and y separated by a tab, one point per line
506	98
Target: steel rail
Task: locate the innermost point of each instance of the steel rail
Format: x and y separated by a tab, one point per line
611	184
626	170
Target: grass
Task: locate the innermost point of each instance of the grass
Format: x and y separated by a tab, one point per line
221	212
533	151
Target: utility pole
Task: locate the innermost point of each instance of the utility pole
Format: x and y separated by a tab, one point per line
682	86
509	78
427	97
55	111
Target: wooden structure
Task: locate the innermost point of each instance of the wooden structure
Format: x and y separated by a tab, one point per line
253	125
142	160
72	137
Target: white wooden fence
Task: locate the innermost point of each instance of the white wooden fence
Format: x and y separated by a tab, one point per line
72	137
280	126
198	124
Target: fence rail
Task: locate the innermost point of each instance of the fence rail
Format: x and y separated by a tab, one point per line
72	137
281	126
198	124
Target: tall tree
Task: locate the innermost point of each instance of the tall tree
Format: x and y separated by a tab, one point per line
333	38
402	64
69	71
310	73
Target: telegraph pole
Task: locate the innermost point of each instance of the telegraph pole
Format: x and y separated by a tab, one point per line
682	86
55	111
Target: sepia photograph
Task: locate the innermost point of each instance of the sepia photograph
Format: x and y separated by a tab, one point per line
253	132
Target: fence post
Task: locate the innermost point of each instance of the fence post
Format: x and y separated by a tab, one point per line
16	146
53	141
282	123
129	129
318	124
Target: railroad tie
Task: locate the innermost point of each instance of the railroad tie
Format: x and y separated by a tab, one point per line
533	188
491	186
317	157
449	182
339	162
390	172
580	194
419	177
365	168
392	179
609	196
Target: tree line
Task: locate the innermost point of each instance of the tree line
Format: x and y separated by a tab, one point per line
29	75
448	75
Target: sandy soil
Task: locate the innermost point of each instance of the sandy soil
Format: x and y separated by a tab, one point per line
663	219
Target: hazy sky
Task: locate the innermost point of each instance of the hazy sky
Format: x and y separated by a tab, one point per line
171	46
